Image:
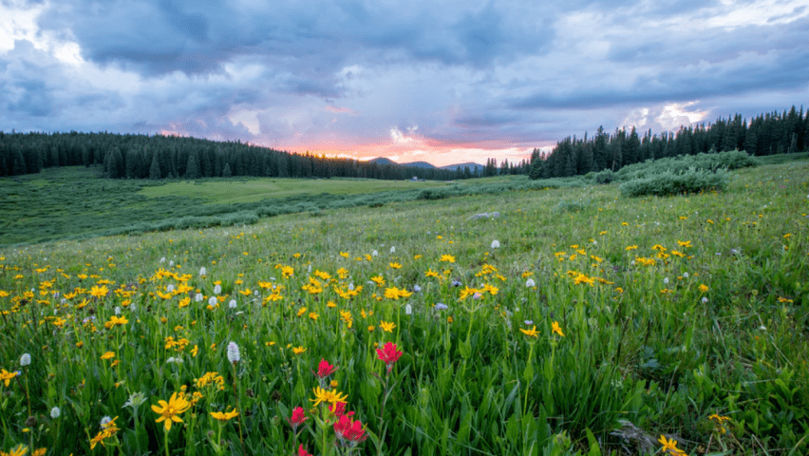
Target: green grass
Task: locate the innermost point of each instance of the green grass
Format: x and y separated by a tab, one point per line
643	354
230	191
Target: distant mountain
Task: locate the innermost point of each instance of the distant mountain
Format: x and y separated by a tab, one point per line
419	164
382	161
473	167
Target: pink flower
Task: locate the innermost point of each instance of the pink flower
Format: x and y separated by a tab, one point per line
324	369
298	417
388	354
338	409
349	430
302	451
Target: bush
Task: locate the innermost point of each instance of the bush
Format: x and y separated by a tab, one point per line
672	183
684	163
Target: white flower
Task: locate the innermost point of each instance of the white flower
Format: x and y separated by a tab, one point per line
528	322
198	297
163	259
117	310
705	300
233	353
416	288
55	412
170	288
351	286
665	280
171	263
685	275
762	328
135	400
530	283
408	310
495	244
174	360
232	304
212	301
25	359
440	306
105	420
203	272
392	249
309	269
374	253
217	289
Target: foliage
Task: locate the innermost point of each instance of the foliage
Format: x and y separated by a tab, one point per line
684	318
676	183
763	135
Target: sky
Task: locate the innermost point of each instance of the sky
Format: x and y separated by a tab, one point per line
443	82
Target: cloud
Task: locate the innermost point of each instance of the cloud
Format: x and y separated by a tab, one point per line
350	78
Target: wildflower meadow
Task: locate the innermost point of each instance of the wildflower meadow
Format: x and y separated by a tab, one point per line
561	321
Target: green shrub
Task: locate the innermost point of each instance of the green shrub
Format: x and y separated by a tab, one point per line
672	183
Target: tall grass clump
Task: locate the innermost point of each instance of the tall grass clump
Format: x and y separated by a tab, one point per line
674	183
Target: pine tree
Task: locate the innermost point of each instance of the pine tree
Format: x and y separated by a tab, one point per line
154	169
192	167
226	170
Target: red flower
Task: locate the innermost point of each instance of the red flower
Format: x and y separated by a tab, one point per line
389	354
339	409
302	451
349	430
324	369
298	417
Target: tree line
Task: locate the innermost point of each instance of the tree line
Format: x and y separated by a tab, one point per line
764	134
161	157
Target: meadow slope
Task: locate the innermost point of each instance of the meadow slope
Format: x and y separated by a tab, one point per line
599	325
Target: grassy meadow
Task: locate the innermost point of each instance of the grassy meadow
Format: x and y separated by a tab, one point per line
578	321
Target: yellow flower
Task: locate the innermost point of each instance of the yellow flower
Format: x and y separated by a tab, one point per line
530	332
555	328
99	292
6	376
39	452
226	416
395	265
670	446
19	450
684	244
170	410
298	350
431	273
387	326
108	355
313	315
447	259
703	288
330	396
115	320
378	280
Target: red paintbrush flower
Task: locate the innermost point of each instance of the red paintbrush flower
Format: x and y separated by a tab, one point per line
388	354
298	417
302	451
324	369
347	429
339	409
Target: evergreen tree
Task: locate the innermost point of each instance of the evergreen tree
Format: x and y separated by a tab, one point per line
154	169
226	171
192	167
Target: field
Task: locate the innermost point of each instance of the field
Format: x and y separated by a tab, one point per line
575	322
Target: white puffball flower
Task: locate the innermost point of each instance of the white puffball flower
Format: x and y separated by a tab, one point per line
55	412
198	297
217	289
392	249
495	244
685	275
665	280
25	359
117	310
170	288
203	272
408	310
705	300
530	283
233	353
374	253
212	301
232	304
